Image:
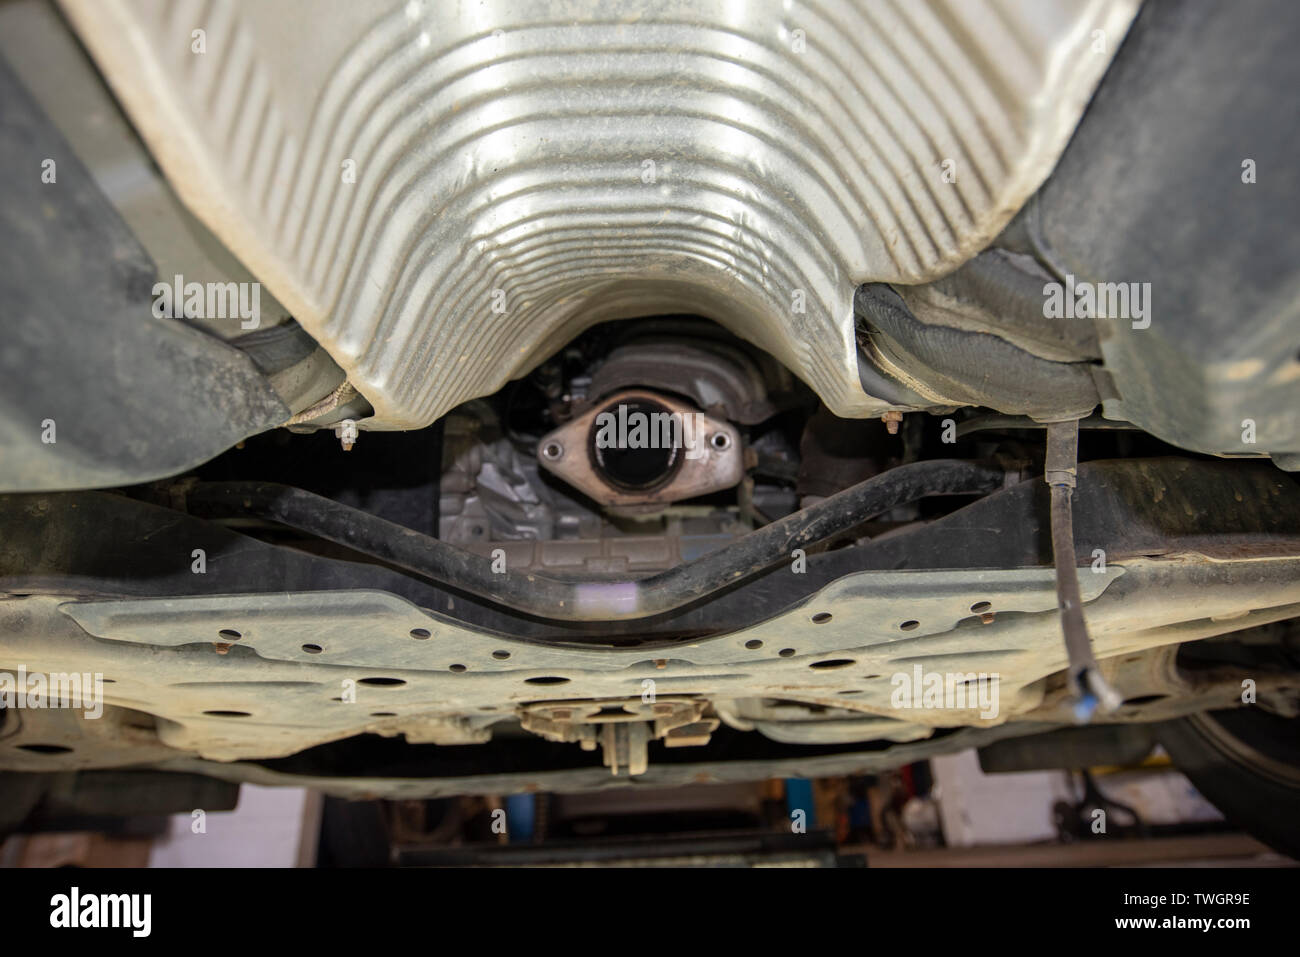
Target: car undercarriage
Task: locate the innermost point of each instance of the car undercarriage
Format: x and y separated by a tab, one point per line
428	402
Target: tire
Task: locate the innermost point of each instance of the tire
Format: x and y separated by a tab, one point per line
1246	762
352	834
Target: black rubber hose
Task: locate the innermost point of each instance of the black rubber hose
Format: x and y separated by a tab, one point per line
593	601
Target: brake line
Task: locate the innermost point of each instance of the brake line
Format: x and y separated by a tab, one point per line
1089	688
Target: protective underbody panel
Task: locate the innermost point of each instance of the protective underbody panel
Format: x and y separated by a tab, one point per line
96	390
443	194
282	685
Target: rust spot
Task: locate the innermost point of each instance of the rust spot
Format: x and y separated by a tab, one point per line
987	617
221	647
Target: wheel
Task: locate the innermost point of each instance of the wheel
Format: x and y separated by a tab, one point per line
1247	763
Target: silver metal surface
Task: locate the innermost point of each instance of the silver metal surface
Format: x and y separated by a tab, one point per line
443	194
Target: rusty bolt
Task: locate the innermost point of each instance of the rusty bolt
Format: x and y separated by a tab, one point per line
661	663
891	420
987	618
221	646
